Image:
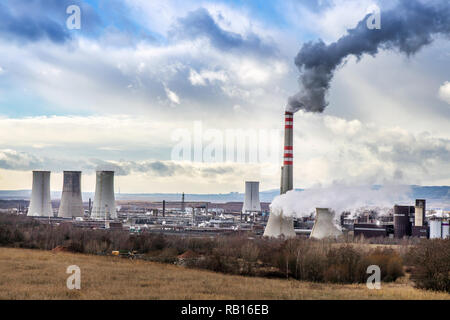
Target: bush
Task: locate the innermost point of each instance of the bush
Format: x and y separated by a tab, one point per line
430	264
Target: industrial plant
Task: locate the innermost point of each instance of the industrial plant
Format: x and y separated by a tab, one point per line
251	216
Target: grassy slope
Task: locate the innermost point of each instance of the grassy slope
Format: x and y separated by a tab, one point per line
33	274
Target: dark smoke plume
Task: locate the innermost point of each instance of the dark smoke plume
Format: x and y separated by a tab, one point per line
407	27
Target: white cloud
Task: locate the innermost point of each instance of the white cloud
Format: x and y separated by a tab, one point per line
327	150
444	92
206	76
380	107
172	96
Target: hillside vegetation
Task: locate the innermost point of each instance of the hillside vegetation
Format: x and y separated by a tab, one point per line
37	274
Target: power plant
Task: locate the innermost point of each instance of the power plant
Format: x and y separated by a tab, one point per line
104	200
71	205
324	226
278	224
209	218
40	203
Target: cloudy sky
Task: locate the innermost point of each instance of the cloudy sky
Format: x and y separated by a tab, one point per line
143	79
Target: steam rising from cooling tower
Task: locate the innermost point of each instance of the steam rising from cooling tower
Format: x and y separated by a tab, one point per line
407	27
104	201
40	204
71	202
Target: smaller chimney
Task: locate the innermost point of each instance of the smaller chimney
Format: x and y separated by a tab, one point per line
182	203
164	208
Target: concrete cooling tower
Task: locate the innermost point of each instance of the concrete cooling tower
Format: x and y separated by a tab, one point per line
40	204
324	225
251	201
104	201
279	225
71	202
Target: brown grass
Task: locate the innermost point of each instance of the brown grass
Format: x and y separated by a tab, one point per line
34	274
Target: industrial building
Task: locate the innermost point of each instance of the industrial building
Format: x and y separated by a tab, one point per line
206	218
408	221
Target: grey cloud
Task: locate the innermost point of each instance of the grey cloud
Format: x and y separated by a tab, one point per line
407	27
13	160
22	161
200	24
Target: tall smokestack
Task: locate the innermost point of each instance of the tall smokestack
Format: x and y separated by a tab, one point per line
278	224
104	201
71	202
40	204
288	154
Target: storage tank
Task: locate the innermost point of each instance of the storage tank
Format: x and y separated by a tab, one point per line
445	230
324	226
435	229
104	200
40	203
71	205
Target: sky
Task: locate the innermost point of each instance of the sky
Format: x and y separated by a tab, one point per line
189	96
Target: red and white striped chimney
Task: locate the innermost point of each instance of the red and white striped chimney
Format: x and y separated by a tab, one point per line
288	156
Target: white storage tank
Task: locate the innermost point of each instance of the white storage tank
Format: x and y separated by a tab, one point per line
435	229
445	230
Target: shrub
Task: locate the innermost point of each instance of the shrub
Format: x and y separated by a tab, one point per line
430	262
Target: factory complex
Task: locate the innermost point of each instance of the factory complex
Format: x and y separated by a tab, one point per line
206	218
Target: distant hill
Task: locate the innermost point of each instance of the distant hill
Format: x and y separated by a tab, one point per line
437	193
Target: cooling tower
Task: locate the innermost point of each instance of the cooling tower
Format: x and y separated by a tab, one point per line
278	224
104	202
324	225
40	204
71	202
251	201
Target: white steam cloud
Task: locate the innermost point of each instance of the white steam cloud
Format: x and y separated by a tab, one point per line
338	198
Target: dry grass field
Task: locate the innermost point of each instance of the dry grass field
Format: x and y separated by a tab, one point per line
34	274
